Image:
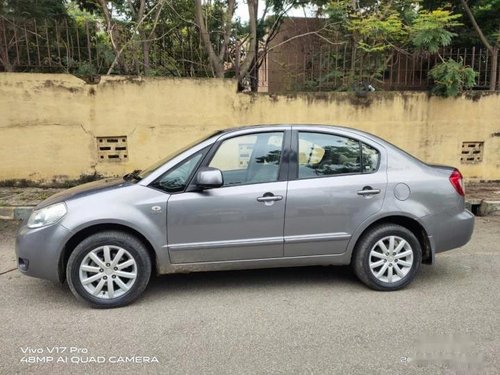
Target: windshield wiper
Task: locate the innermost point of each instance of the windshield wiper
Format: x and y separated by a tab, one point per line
134	175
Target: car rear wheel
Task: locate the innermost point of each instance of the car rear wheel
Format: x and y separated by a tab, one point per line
387	257
108	269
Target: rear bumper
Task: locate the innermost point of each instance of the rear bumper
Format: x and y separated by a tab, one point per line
451	231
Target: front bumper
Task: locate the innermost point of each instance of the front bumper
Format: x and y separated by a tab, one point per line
38	251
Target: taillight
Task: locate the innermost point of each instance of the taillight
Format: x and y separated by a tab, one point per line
457	180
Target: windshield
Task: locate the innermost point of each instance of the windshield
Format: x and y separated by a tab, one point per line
146	172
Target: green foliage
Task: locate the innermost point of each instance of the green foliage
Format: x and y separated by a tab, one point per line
85	69
81	15
486	13
388	26
429	31
451	78
167	46
379	28
378	32
338	12
29	9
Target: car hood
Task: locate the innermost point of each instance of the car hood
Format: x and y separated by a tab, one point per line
85	189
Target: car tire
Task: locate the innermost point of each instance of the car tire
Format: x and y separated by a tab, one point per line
118	282
381	267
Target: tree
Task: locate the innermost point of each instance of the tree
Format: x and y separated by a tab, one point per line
128	22
267	27
250	40
492	46
218	60
378	29
451	78
29	9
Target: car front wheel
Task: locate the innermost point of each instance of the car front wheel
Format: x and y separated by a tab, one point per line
109	269
387	257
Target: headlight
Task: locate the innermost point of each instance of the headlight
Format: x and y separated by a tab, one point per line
47	215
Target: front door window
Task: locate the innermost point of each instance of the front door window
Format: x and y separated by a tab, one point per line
249	159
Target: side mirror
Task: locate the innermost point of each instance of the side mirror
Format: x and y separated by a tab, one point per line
208	178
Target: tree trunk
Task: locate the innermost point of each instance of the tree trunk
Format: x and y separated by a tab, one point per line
492	49
4	59
352	72
254	72
494	69
249	59
215	62
4	52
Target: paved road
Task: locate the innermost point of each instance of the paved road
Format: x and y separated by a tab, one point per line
286	321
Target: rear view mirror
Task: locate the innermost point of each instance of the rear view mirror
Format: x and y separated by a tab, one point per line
208	178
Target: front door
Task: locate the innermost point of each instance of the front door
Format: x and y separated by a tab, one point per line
241	220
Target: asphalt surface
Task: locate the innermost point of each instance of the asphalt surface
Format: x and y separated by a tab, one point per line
314	320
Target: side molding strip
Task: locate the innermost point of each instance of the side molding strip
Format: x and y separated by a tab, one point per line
322	237
224	244
318	237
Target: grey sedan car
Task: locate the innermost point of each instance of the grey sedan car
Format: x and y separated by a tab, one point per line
253	197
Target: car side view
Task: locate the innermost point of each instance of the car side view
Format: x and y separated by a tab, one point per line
253	197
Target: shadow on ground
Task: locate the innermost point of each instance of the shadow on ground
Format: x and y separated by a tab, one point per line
269	281
245	279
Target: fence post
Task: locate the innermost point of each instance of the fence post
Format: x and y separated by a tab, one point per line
57	42
48	43
486	70
27	44
78	44
68	46
88	41
498	73
16	42
37	44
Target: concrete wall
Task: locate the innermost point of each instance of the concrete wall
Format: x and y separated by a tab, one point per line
49	122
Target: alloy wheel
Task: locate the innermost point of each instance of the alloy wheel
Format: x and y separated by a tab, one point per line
108	272
391	259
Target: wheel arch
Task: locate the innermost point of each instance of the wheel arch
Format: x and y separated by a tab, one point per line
410	223
83	233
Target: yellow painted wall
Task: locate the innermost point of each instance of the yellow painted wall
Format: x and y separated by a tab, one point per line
48	122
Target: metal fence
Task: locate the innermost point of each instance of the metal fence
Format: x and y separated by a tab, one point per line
411	71
310	67
45	45
63	46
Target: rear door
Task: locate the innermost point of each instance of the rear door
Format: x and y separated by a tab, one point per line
336	183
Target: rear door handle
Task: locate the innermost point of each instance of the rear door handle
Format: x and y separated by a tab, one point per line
270	198
368	190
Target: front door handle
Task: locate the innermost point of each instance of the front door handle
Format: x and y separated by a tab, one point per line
368	190
269	198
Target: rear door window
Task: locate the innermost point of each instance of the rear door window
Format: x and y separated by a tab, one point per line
322	155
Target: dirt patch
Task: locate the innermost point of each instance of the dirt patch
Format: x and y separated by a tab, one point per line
56	182
20	197
484	190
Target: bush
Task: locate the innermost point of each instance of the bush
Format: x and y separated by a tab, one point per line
451	78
